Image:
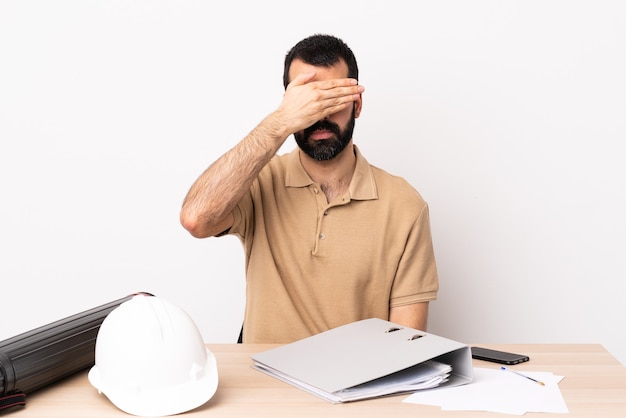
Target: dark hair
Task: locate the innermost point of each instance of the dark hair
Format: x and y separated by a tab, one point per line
322	51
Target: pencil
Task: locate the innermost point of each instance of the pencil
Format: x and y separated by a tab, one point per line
523	375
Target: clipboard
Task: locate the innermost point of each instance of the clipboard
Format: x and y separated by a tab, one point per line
366	359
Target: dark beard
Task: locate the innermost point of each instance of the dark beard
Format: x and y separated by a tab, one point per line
329	148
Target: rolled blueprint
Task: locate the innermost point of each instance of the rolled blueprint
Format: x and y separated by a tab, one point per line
44	355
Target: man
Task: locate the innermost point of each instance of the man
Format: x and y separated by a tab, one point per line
328	238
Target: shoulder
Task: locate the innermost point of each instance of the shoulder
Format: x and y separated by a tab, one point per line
396	188
275	169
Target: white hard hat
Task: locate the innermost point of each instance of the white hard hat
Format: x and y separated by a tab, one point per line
151	359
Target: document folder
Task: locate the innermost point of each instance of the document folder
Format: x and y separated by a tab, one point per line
367	359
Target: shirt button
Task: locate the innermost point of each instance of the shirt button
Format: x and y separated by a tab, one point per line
315	191
325	213
322	236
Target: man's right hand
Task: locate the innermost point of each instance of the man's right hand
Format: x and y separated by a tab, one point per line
307	101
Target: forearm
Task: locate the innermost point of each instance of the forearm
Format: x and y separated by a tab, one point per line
207	208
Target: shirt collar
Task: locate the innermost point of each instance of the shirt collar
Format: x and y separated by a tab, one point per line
362	186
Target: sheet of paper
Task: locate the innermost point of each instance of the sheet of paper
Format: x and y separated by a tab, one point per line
501	391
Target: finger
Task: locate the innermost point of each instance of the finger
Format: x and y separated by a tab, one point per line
351	92
337	83
302	79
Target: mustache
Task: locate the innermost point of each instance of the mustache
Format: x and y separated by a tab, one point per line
323	125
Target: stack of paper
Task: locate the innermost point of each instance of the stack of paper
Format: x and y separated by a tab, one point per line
427	375
500	391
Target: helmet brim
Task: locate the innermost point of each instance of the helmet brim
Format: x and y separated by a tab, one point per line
171	400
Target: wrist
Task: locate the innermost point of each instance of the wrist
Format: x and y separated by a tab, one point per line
276	127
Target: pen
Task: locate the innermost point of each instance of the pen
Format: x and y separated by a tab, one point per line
523	375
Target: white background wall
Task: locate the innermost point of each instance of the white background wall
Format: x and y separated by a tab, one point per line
508	116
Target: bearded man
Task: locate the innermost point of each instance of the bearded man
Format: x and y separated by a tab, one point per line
328	238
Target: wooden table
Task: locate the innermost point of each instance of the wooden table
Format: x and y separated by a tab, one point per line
594	386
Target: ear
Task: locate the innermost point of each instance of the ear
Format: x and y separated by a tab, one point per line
358	104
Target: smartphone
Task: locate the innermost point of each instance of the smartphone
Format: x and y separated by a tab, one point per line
496	356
